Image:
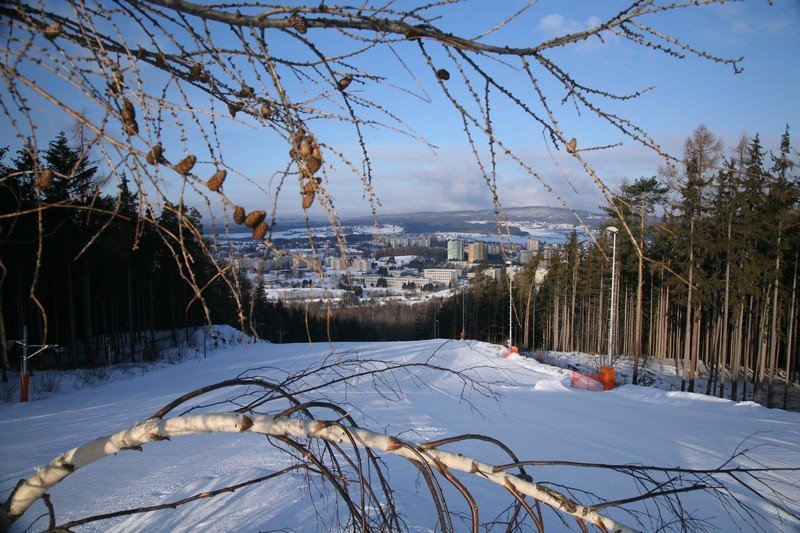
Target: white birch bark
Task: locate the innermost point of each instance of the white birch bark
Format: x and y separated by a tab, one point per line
28	491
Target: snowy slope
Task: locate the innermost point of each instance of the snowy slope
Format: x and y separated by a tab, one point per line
535	414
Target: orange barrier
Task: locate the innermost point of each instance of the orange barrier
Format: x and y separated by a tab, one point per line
582	381
607	377
508	351
23	391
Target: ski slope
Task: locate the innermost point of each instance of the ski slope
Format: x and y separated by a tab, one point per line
534	412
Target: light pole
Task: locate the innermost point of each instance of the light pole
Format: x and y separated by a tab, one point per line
510	304
613	231
463	313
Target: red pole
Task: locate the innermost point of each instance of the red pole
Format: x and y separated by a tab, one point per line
23	392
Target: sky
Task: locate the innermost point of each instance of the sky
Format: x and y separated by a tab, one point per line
441	173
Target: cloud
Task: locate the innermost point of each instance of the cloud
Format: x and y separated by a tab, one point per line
557	24
411	178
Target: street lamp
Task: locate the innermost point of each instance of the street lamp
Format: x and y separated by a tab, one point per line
463	313
510	304
613	231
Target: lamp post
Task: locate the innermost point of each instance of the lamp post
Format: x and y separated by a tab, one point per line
510	304
463	313
613	231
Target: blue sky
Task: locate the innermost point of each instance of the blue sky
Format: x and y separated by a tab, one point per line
412	177
409	176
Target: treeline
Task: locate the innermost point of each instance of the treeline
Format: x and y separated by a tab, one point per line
324	321
93	272
480	310
707	271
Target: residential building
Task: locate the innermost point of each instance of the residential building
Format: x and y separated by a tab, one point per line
394	282
441	276
476	252
455	250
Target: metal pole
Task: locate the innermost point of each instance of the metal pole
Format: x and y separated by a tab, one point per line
613	231
510	304
463	312
25	350
23	390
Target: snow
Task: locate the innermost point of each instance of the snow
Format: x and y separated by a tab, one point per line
535	413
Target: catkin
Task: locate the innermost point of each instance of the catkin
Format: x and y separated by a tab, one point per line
215	182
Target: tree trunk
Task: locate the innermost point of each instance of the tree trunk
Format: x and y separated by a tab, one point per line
132	336
773	336
790	337
73	337
87	317
726	305
637	342
525	336
687	334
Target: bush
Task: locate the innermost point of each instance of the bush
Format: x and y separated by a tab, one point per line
90	376
48	381
8	391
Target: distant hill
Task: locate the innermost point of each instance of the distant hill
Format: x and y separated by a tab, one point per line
535	220
521	219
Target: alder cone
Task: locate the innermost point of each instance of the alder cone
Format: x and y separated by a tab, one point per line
313	164
344	83
254	218
128	111
215	182
305	148
195	71
155	155
46	178
186	165
260	230
238	215
51	31
235	107
309	191
572	145
116	85
442	74
131	127
308	199
129	118
298	22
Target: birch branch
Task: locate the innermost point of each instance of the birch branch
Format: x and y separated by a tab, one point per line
45	478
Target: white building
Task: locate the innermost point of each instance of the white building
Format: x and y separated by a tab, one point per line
398	282
441	276
359	264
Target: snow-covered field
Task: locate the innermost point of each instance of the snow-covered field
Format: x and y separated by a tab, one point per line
535	413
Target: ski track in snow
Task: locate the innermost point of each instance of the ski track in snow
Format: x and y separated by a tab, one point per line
536	414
